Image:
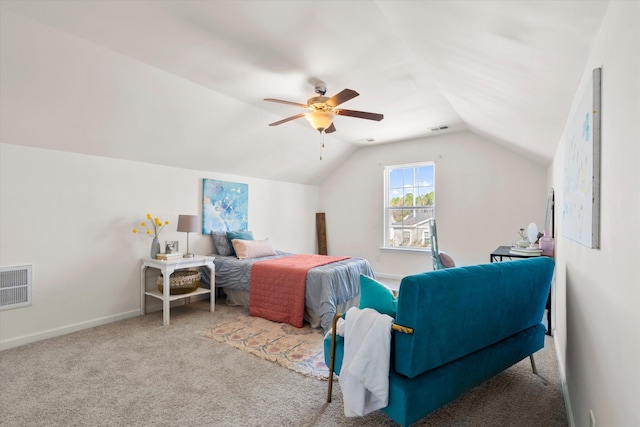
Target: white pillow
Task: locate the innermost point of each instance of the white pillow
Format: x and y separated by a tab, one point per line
252	248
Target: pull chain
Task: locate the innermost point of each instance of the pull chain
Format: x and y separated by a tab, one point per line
321	144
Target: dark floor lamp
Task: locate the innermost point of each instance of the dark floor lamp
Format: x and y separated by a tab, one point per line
188	224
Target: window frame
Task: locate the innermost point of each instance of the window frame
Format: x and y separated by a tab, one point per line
388	233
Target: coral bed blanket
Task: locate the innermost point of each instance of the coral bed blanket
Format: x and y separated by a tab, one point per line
277	287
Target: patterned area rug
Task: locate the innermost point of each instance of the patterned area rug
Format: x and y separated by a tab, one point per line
298	349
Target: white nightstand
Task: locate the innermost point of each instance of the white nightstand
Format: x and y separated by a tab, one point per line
168	267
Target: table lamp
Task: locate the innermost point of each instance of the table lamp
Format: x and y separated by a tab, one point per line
188	224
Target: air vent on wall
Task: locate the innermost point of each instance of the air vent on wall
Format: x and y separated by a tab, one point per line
15	286
439	128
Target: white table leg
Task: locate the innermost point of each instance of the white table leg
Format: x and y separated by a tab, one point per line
166	292
143	286
212	285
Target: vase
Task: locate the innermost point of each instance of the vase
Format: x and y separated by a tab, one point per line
546	244
155	248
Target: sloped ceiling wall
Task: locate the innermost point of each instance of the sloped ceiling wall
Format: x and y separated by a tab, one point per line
188	78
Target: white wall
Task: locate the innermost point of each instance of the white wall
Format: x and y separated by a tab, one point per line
72	215
484	193
598	290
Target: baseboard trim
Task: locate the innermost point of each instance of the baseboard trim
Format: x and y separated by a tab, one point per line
389	276
563	381
64	330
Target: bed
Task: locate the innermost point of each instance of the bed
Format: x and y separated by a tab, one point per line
330	288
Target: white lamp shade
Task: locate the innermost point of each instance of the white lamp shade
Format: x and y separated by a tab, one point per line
188	223
320	120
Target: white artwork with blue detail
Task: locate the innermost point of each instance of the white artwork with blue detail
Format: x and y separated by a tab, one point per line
581	204
225	206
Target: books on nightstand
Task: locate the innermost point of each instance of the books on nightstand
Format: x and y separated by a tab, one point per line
174	255
526	251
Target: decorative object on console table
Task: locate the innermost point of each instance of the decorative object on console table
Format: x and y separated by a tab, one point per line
521	239
525	251
155	247
171	246
546	244
153	232
532	235
188	224
167	256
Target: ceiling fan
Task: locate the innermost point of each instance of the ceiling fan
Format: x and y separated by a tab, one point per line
322	109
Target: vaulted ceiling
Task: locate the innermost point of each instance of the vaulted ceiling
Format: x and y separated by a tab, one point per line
507	70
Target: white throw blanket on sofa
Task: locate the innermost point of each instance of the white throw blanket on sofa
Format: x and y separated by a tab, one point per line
364	377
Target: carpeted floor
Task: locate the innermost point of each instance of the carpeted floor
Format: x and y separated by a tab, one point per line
138	373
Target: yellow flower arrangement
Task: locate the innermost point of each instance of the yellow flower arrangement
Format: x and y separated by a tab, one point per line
155	229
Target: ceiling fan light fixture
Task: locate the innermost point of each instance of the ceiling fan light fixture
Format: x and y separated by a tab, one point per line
320	120
322	109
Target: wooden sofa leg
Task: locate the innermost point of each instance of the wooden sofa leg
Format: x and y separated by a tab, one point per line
332	354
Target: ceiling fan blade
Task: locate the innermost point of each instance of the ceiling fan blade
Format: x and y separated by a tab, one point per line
280	101
341	97
360	114
330	129
297	116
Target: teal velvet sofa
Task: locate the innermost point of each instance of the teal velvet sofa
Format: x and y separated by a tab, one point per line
468	324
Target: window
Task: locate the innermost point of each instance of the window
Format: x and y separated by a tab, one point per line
409	203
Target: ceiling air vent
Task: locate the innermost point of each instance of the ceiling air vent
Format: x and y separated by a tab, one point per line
15	286
439	128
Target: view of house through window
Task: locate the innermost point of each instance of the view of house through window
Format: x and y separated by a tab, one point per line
409	203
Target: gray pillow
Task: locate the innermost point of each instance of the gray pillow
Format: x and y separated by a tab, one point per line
213	243
221	243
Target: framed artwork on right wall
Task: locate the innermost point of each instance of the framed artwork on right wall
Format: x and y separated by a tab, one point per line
581	198
549	217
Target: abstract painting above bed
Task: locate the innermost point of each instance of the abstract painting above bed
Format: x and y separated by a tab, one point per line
329	288
225	206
